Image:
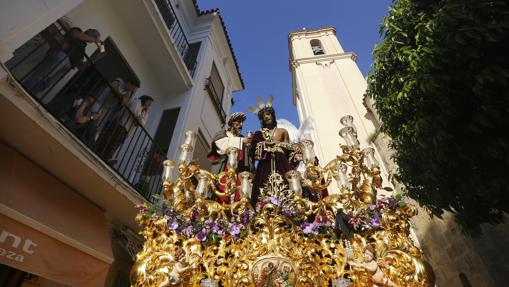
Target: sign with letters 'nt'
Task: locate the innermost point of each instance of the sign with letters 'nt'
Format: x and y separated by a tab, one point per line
29	250
15	247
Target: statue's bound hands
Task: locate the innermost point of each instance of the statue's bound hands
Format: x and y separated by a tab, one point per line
247	140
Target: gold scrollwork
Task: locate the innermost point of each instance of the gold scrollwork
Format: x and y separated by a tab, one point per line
273	249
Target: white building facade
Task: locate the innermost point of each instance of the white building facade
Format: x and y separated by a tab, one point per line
182	58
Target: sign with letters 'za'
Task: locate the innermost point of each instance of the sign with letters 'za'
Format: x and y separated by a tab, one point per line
14	246
29	250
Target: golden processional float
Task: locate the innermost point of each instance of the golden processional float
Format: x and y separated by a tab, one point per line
354	238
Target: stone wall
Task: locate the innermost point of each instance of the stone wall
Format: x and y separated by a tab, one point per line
484	260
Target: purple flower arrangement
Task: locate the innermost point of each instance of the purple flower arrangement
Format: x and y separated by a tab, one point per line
307	225
365	219
208	231
315	228
369	218
391	203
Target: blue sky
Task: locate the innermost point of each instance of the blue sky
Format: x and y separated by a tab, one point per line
259	30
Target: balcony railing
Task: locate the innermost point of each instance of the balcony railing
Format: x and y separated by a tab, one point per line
216	99
90	107
177	33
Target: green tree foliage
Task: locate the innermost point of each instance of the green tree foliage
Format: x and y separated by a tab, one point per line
440	82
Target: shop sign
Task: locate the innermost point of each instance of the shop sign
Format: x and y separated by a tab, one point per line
15	247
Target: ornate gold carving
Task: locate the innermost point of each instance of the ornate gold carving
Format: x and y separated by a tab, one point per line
290	241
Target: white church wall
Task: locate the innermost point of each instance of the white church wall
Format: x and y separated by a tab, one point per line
329	86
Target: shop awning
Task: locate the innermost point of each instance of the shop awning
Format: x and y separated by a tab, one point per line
49	229
29	250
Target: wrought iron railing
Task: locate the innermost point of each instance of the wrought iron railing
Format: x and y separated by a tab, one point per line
216	99
90	107
177	33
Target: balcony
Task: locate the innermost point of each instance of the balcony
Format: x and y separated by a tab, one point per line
89	108
177	33
160	38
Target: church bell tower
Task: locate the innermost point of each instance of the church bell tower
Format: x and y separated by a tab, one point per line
327	85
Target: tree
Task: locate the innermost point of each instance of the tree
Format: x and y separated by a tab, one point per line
440	83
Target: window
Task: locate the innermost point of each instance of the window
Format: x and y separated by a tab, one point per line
316	46
165	129
156	153
191	56
162	141
215	89
217	83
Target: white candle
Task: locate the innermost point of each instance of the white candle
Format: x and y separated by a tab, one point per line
293	178
185	153
233	157
347	121
369	157
190	138
245	184
169	165
341	177
202	187
308	152
350	137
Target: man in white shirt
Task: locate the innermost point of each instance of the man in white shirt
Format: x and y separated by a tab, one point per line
139	109
109	102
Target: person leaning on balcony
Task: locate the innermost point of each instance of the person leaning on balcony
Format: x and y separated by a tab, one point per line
139	108
110	103
85	122
124	90
125	120
60	59
76	42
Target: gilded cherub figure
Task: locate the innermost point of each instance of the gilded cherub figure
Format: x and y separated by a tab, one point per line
372	267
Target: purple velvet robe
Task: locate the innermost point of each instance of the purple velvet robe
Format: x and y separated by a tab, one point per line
263	170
